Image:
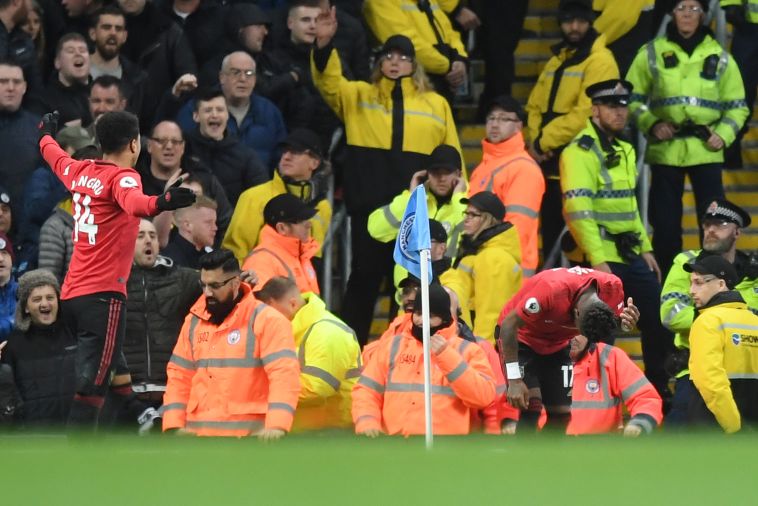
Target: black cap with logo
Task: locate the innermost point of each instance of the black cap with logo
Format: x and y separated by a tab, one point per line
612	91
714	265
399	43
724	210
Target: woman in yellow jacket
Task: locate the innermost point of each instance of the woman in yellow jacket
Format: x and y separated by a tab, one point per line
329	355
487	272
391	125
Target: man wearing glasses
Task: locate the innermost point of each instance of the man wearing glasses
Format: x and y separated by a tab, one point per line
234	371
724	348
511	173
722	225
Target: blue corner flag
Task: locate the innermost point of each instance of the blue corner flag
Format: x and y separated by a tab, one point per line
414	234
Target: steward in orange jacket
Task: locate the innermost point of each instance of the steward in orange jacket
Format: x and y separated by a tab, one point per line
508	171
389	398
604	378
286	247
234	371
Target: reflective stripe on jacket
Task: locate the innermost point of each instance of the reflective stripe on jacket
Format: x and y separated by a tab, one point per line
571	107
235	378
723	352
330	364
390	127
390	17
278	255
750	6
598	199
484	282
389	395
678	93
603	380
244	230
509	172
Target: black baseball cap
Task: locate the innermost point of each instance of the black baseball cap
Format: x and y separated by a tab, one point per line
244	14
488	203
399	43
445	158
721	209
302	139
437	231
286	208
439	302
715	265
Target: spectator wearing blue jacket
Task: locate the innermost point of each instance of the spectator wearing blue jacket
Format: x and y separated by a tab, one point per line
8	288
255	120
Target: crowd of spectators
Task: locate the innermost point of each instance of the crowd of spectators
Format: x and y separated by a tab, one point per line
264	107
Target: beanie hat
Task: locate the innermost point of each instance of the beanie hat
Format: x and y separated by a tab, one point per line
26	283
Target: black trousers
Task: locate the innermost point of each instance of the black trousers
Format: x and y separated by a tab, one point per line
372	262
551	217
666	191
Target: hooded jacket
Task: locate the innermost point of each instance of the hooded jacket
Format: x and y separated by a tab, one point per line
278	255
389	395
235	378
508	171
157	300
486	274
245	228
330	364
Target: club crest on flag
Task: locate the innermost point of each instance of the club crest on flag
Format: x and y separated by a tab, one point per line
413	234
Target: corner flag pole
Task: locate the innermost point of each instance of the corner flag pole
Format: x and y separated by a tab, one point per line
427	355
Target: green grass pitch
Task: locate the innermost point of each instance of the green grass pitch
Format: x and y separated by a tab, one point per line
708	469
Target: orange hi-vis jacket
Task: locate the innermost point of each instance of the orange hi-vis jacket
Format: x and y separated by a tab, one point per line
235	378
279	255
603	379
491	417
389	395
509	172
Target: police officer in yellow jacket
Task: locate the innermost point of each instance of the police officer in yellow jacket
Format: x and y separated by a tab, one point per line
743	16
558	108
722	224
723	348
690	103
329	355
598	179
300	174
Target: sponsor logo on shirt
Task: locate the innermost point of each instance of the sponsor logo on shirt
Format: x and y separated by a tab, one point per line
128	182
532	305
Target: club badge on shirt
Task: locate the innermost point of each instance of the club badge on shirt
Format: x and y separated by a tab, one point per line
233	337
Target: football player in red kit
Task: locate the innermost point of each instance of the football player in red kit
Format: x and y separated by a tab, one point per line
107	205
536	327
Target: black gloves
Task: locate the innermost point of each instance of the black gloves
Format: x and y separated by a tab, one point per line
48	125
175	198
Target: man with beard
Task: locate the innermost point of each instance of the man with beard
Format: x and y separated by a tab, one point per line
598	179
558	108
722	225
108	33
234	370
388	398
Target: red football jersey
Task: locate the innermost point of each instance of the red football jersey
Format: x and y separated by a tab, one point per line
107	201
545	302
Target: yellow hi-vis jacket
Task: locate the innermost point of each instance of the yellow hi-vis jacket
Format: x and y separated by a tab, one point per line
677	308
599	200
671	85
486	280
330	364
750	6
617	18
724	357
391	17
245	228
553	125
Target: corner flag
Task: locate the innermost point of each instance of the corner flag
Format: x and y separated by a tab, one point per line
413	236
